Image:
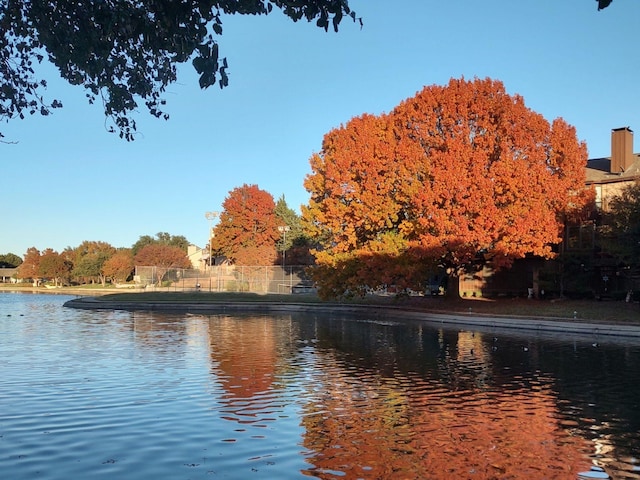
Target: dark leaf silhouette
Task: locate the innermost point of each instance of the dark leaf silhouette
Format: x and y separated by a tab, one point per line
123	52
603	4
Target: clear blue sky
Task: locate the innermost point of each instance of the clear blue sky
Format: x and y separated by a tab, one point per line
67	180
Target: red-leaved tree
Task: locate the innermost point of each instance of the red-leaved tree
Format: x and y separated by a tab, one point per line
54	266
163	258
120	266
248	230
30	267
456	177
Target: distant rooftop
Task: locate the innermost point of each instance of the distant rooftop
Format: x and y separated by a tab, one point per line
599	170
621	166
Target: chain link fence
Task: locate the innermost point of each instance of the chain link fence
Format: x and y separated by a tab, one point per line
226	278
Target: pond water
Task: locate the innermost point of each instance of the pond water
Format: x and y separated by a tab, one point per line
121	395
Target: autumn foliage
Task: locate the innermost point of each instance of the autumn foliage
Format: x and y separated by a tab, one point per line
248	227
30	267
456	177
163	258
89	258
120	266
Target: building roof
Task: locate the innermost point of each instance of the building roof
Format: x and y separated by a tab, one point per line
7	272
599	171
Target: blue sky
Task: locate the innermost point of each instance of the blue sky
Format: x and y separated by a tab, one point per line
66	180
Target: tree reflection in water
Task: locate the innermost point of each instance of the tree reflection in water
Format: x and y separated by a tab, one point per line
392	400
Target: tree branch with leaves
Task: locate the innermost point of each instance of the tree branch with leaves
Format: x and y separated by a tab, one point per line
125	53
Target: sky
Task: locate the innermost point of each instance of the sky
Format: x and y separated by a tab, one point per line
66	180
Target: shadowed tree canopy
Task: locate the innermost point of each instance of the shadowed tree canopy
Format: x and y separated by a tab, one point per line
123	52
621	229
456	177
10	260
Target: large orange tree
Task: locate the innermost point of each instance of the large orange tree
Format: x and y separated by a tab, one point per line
248	228
454	178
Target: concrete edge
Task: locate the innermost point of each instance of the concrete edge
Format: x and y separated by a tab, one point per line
533	324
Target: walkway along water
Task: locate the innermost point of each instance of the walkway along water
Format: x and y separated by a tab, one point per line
470	319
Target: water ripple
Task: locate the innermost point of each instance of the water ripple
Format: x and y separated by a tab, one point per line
121	395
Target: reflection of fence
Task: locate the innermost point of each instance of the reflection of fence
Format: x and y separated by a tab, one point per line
228	278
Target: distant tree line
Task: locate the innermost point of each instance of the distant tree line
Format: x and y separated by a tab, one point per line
250	232
99	262
615	235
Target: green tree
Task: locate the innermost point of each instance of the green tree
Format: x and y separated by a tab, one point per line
298	244
287	217
10	260
161	238
124	52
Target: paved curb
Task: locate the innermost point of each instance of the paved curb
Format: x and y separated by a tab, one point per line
529	324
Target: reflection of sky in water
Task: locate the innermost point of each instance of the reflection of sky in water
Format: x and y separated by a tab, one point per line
147	395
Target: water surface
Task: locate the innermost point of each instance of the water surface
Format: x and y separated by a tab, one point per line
162	396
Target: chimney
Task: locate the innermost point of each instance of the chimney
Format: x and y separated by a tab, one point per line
621	149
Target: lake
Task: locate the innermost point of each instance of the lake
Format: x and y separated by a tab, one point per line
137	395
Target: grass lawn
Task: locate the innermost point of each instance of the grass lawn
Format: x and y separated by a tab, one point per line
602	311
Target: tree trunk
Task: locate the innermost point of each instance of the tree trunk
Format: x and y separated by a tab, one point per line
536	280
453	286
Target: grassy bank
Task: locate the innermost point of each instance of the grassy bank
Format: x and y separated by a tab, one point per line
601	311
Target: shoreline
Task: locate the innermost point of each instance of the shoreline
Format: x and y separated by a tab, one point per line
65	290
94	299
541	324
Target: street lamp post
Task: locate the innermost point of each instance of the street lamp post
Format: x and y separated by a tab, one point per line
284	229
211	216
